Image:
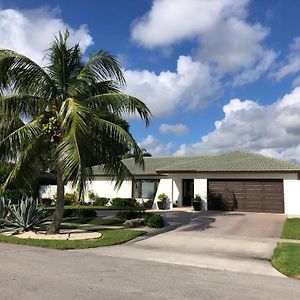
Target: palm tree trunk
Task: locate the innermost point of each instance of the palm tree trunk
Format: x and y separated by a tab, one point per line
59	205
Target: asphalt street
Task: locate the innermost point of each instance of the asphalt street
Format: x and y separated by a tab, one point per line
37	273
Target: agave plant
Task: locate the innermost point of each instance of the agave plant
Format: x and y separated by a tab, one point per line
4	211
27	215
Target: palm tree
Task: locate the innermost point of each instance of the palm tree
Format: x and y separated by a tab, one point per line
66	113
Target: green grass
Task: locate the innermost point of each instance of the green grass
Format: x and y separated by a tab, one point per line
85	207
286	259
110	237
291	229
94	221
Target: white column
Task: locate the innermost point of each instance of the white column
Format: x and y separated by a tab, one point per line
200	188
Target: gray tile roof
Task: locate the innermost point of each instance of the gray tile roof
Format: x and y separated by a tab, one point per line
238	161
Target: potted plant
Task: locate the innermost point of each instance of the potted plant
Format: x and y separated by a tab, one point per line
163	198
197	202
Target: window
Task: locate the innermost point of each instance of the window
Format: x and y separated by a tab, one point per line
145	188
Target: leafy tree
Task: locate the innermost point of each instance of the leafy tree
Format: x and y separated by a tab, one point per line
73	112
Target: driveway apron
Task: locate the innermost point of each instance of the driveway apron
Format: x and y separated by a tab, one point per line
240	242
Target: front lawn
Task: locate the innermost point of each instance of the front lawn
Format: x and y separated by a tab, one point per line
110	237
286	259
291	229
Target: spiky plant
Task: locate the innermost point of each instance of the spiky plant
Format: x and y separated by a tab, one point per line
73	114
27	215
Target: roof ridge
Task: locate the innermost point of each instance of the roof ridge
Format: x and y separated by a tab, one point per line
266	156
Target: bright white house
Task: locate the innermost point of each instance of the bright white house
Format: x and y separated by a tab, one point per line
238	180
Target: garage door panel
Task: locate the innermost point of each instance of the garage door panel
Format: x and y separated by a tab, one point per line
246	195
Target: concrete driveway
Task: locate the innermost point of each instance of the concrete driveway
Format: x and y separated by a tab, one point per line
241	242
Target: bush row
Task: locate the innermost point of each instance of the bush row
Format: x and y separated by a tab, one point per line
72	198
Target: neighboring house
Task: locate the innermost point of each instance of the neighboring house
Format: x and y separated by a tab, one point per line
241	181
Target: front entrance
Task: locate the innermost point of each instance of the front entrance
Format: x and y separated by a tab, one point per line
187	192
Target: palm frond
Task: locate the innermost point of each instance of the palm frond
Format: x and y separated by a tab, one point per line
120	104
75	132
118	135
102	67
117	171
14	143
22	105
24	168
21	74
64	63
9	124
82	91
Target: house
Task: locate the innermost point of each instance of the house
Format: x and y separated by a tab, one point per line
241	181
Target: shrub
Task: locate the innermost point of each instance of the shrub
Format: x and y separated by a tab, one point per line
4	211
147	204
155	221
13	195
123	202
128	215
101	201
27	215
96	200
71	198
151	220
163	197
46	201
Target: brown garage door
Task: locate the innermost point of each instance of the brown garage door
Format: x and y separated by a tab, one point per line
246	195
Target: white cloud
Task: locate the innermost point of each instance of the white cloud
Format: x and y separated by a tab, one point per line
233	44
171	21
176	129
255	73
155	146
271	129
30	32
220	27
292	65
191	86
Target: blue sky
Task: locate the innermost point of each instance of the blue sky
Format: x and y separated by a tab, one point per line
218	75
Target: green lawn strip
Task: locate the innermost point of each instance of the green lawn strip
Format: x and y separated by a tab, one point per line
94	221
110	237
286	259
291	229
84	207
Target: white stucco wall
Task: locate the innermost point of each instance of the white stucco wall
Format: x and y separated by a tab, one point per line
291	196
49	191
103	187
164	186
200	188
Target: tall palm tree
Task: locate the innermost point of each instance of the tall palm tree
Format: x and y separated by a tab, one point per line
66	113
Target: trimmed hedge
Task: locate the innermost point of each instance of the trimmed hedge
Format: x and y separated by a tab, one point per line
123	202
151	220
155	221
101	201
